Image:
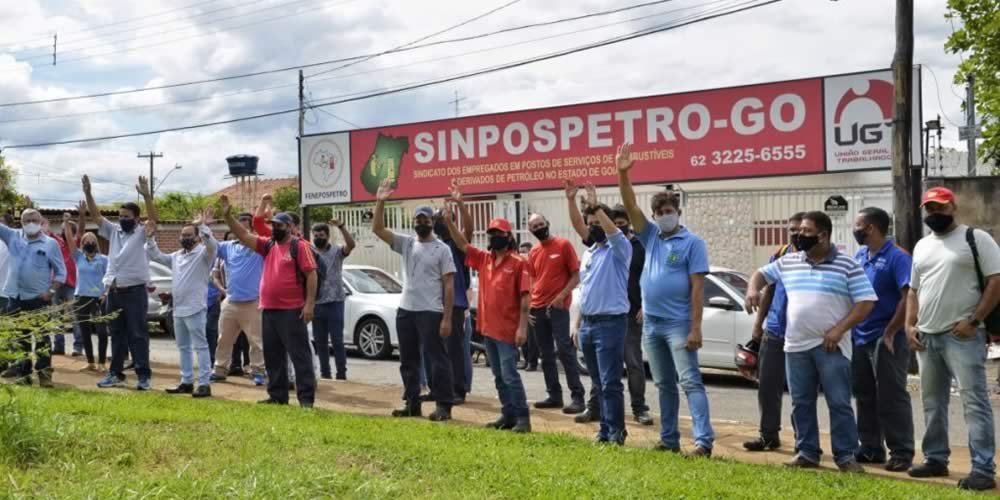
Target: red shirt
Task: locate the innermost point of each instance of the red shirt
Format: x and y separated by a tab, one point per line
553	262
261	227
501	285
67	260
280	285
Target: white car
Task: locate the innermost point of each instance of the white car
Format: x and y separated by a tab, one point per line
724	322
370	311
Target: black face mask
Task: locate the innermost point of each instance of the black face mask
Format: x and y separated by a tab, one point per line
587	242
320	242
939	223
794	240
499	243
860	235
807	242
423	230
597	234
541	233
441	230
187	243
279	234
127	225
626	229
90	247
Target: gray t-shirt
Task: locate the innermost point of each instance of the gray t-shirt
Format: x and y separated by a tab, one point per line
944	276
332	289
424	266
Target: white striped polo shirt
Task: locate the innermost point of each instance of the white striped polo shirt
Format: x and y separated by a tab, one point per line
820	295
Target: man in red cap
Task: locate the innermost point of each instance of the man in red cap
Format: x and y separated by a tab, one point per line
945	310
504	284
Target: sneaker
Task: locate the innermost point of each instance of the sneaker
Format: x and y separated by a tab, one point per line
502	423
700	452
523	425
898	465
440	414
761	444
548	403
258	380
929	469
852	467
801	462
111	381
869	458
643	418
588	415
143	385
45	379
203	391
577	406
217	378
977	482
661	446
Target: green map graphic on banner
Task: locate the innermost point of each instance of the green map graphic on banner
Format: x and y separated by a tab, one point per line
385	161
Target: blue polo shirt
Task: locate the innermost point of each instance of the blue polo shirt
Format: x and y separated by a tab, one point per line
461	276
604	277
34	264
666	276
243	270
775	322
889	272
90	274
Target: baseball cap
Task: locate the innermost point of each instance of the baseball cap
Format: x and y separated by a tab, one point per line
501	225
938	195
283	218
424	210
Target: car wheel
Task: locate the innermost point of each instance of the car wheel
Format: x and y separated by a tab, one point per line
167	325
372	339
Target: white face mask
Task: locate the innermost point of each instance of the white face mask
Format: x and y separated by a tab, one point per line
32	229
668	223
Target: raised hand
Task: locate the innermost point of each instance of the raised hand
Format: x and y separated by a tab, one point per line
150	228
456	191
571	189
86	184
208	216
591	197
224	205
267	200
82	208
384	190
143	187
624	159
335	223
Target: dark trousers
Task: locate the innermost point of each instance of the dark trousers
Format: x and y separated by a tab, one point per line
87	310
771	385
552	333
455	344
129	331
241	352
530	348
878	378
212	328
285	337
328	330
43	349
635	366
422	329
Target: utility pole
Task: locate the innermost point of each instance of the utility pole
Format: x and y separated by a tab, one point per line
306	233
55	40
970	121
455	102
905	180
152	156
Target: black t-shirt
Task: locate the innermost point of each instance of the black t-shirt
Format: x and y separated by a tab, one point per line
634	275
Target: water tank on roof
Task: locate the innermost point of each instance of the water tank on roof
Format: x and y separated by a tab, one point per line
240	165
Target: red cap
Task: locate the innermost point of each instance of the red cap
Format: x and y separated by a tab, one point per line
938	195
501	224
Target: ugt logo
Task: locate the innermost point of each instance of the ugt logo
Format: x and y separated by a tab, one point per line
881	93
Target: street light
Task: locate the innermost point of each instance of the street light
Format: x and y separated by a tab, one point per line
176	168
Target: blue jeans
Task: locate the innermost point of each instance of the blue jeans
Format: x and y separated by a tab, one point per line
190	334
328	330
65	294
947	356
510	389
807	370
603	345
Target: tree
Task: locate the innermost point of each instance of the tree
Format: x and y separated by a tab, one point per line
979	40
10	199
286	199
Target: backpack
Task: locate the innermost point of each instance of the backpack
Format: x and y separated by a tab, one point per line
992	321
320	269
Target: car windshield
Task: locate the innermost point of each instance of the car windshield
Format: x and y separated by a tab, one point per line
734	279
371	281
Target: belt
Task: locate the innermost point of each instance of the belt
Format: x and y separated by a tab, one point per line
595	318
125	288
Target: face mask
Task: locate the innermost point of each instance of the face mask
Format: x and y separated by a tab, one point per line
794	240
279	234
860	235
441	230
587	242
32	229
668	222
90	247
320	242
541	233
499	243
807	242
626	229
423	230
187	243
939	223
597	234
127	225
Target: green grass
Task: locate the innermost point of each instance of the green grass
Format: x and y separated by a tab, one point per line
153	446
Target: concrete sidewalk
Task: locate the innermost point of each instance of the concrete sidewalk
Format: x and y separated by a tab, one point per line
379	400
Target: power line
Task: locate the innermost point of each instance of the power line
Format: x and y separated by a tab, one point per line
937	88
741	7
296	67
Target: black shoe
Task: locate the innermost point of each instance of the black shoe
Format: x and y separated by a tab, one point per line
408	410
203	391
661	446
219	378
59	352
801	462
619	439
426	398
601	439
341	376
643	418
977	482
502	423
587	416
761	444
270	401
458	401
852	467
523	425
929	469
181	389
577	406
77	354
234	372
440	414
306	405
898	465
326	376
869	458
548	403
531	368
700	452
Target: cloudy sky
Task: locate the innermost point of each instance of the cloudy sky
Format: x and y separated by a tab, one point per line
109	45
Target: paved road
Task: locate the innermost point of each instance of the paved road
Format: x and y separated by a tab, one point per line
731	398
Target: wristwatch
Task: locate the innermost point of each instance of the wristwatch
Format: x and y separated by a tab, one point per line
975	322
